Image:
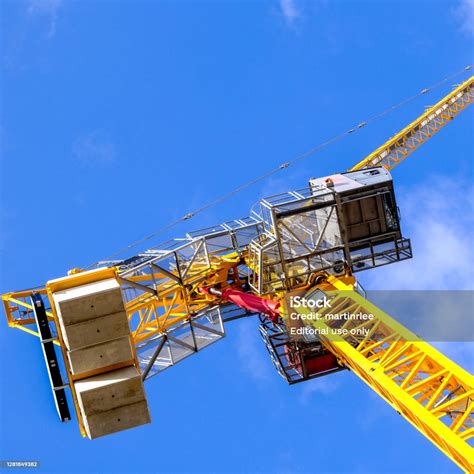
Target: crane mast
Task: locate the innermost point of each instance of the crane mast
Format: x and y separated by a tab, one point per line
178	297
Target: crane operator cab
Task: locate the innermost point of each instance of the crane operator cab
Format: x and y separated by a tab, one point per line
368	217
343	222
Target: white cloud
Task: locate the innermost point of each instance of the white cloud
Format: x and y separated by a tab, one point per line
319	386
251	352
438	218
462	353
48	9
94	148
289	10
465	15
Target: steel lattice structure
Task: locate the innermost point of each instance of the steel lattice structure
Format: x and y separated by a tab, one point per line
395	150
177	301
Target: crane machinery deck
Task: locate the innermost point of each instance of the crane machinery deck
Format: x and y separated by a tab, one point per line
128	320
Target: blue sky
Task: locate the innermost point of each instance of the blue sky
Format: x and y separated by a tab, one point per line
118	117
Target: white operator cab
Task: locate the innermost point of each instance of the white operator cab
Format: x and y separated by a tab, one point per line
368	217
343	221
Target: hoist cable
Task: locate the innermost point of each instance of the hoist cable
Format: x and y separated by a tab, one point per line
284	165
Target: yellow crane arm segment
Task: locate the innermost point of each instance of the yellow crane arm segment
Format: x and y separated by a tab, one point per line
154	301
395	150
433	393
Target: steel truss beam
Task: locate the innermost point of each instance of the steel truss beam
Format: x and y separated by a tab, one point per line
392	152
433	393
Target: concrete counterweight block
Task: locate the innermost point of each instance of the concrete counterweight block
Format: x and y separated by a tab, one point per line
112	402
100	356
96	334
94	327
85	302
95	331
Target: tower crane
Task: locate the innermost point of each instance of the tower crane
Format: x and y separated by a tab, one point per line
125	321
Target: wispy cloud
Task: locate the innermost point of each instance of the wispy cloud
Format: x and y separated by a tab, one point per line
465	16
460	352
38	21
48	9
94	148
438	218
252	353
290	11
320	386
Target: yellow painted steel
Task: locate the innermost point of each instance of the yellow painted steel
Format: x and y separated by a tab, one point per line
428	389
432	392
176	300
172	302
395	150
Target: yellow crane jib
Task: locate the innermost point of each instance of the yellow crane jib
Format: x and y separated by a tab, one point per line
434	394
395	150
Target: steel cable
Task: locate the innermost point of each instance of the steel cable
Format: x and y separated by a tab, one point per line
283	166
